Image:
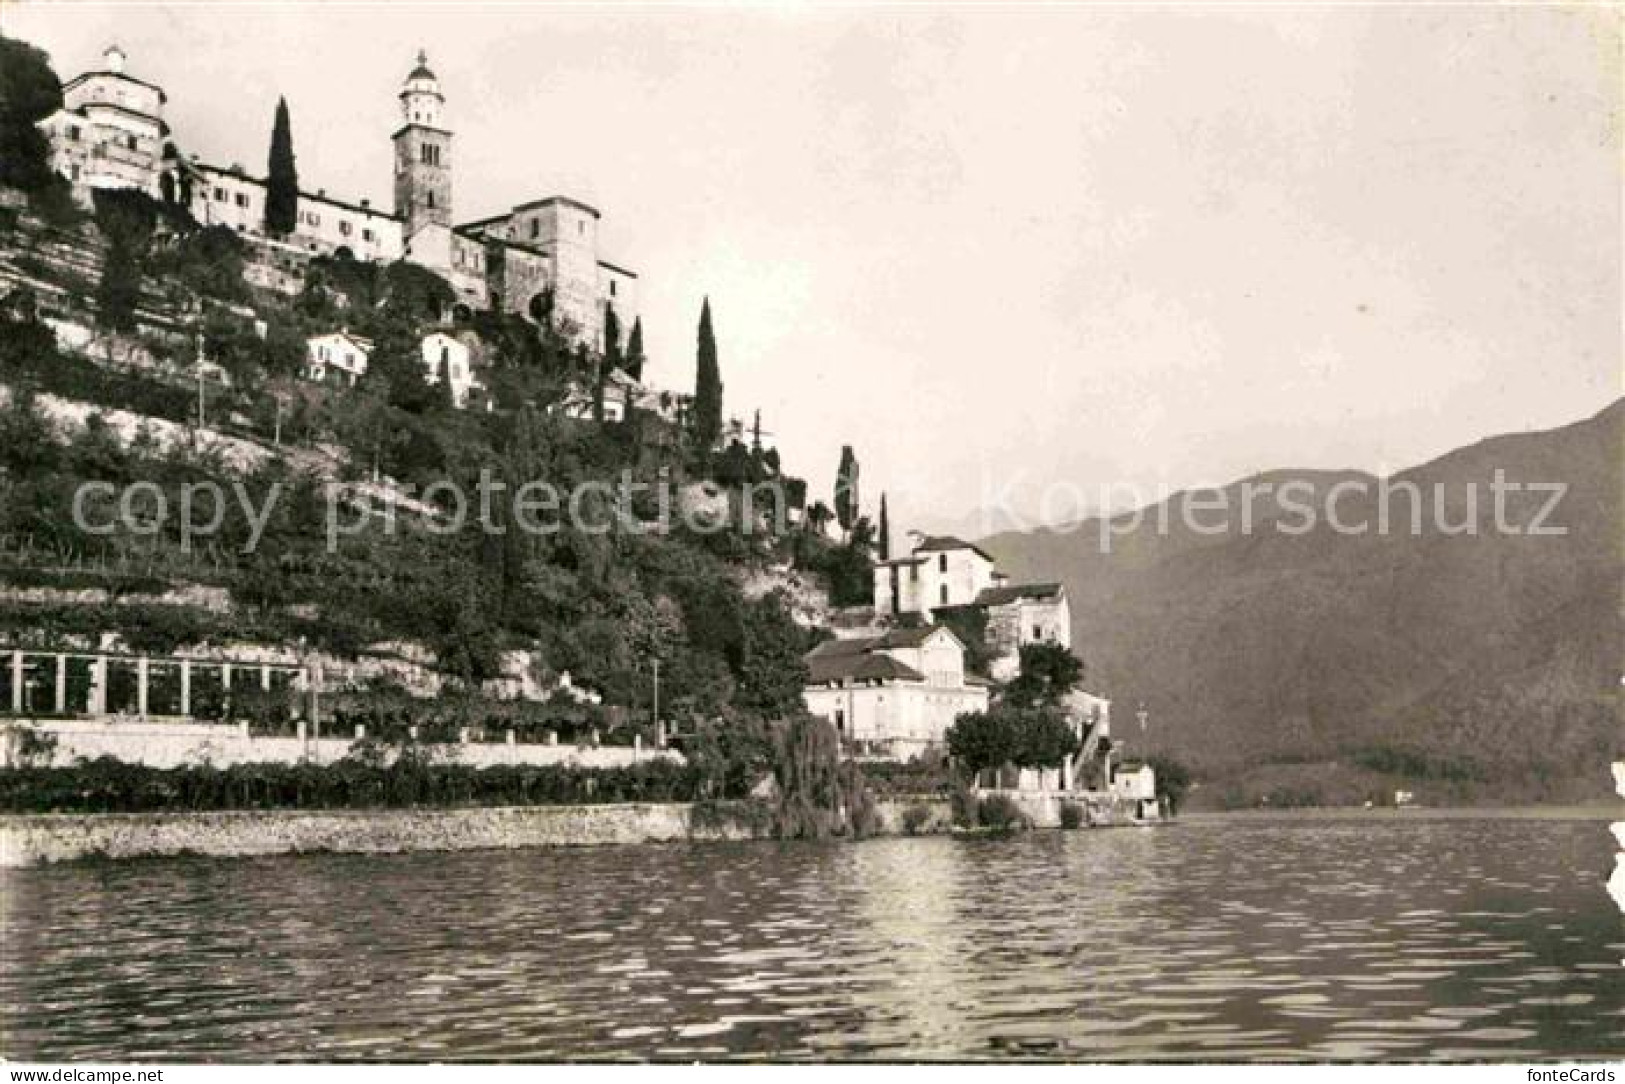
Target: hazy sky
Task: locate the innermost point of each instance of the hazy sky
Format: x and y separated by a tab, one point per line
1083	244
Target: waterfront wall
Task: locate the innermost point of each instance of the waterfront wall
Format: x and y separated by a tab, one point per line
38	840
161	744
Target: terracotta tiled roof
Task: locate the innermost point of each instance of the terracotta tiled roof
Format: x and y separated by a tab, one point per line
998	596
858	667
943	542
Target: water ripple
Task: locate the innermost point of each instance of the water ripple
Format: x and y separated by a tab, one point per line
1223	939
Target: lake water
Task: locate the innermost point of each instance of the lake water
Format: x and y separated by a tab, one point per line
1398	936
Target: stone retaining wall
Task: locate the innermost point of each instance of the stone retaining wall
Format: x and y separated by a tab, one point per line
38	840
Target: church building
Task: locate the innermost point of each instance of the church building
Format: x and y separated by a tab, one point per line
540	259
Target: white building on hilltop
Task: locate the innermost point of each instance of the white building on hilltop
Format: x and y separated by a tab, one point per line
323	226
110	131
893	695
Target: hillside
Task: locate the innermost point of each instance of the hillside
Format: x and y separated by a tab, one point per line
1321	665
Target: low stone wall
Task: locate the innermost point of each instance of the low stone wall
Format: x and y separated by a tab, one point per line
160	744
40	840
37	840
1043	808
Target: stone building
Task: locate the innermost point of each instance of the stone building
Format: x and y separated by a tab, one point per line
894	695
110	131
1021	614
540	259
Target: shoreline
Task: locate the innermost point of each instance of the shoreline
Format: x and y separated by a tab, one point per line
34	840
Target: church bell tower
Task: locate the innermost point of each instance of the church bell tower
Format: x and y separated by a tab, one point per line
422	153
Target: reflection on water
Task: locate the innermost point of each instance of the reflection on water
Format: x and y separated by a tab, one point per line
1402	938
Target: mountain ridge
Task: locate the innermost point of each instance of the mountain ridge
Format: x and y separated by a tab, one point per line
1488	657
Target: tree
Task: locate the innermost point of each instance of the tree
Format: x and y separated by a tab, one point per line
120	286
1006	735
981	740
707	386
772	673
1173	780
846	490
885	531
1048	673
818	517
612	338
29	92
634	351
281	177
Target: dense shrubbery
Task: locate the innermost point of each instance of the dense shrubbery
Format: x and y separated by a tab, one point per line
1000	813
916	817
914	778
110	786
1417	765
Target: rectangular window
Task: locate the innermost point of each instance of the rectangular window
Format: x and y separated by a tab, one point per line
942	562
73	132
535	228
611	287
242	199
344	228
942	593
1038	632
220	195
366	235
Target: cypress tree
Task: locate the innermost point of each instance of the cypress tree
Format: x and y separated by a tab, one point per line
846	490
634	351
707	386
120	285
885	531
281	177
612	338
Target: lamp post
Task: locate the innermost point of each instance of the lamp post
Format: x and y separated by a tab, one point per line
660	727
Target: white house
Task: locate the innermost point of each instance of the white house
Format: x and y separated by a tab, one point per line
1137	782
339	356
447	354
893	695
942	571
